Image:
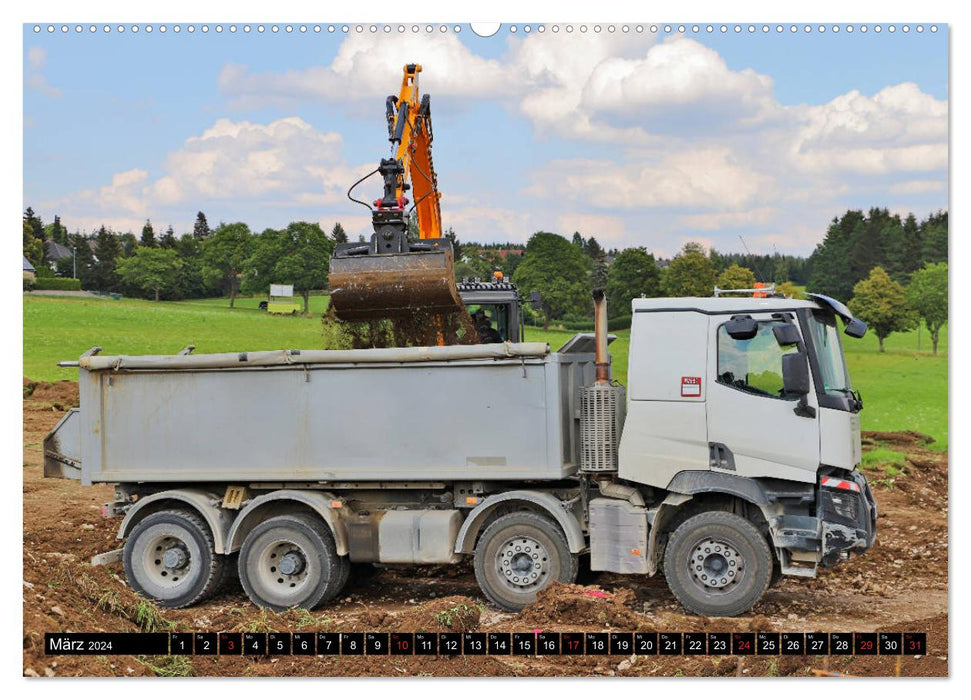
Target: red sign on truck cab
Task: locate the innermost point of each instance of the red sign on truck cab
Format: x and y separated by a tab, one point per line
691	386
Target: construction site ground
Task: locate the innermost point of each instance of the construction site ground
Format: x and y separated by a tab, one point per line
900	585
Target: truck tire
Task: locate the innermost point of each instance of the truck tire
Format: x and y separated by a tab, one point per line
291	561
717	564
520	554
170	558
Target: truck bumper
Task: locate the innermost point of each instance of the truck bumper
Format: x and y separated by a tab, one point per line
848	516
845	523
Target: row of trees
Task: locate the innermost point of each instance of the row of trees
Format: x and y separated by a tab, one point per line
231	258
855	243
888	307
207	262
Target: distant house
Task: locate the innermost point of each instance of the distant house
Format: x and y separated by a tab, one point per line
30	273
61	256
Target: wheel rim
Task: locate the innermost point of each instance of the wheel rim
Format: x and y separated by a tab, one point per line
716	566
170	561
523	564
283	571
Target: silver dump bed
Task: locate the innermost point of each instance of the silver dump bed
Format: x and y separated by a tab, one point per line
504	411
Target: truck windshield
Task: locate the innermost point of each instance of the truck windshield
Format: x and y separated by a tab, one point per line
829	352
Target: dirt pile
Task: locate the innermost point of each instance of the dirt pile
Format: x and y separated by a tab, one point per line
572	607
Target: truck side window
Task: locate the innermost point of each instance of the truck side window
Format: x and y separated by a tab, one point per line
755	365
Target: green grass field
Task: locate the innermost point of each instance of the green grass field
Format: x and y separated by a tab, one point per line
902	389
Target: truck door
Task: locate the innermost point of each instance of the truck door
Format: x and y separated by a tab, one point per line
754	428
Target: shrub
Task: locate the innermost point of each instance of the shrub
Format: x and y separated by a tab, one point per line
62	284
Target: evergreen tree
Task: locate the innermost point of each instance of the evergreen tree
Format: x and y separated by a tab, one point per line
148	235
338	234
107	250
167	240
200	230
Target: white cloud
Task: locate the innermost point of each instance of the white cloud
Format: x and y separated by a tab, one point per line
710	178
760	216
679	74
34	79
36	56
284	159
900	129
366	68
607	229
284	164
918	187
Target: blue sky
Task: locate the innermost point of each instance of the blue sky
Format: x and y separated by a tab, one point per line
638	138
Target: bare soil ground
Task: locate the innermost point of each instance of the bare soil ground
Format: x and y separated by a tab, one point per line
900	585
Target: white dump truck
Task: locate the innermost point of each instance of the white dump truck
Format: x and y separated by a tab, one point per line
730	459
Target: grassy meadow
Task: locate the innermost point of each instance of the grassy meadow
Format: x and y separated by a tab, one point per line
903	388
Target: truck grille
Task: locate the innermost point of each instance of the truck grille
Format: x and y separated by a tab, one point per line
601	422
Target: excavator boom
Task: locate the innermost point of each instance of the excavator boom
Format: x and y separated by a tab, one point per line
391	275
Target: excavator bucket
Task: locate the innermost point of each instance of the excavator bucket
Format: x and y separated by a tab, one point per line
370	286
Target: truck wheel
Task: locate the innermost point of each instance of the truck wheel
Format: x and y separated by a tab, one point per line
717	564
169	557
291	561
520	554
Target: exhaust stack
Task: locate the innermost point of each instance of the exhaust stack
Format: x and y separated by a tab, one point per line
602	405
600	334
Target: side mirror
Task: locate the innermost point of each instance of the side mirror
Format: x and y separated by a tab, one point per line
855	328
795	374
742	327
536	301
786	334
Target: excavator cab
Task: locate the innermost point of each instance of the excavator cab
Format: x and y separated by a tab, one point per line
390	275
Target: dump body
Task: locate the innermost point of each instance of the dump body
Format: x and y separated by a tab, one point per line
493	412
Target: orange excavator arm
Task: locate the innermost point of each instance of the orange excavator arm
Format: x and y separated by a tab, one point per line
393	276
410	126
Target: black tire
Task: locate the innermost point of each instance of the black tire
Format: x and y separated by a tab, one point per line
717	564
539	555
304	545
170	558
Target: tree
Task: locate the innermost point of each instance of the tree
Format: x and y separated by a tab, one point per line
129	244
788	290
690	274
927	294
298	255
592	248
452	238
107	250
200	229
934	238
557	270
633	274
192	281
151	270
736	277
84	259
830	261
338	234
148	235
578	241
224	255
168	239
882	303
33	246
